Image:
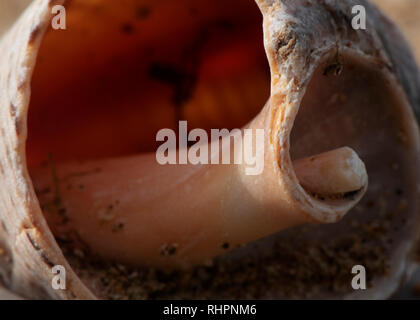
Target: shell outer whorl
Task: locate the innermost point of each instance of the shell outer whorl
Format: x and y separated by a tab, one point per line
29	244
299	32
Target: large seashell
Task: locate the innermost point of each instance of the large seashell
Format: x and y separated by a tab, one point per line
331	87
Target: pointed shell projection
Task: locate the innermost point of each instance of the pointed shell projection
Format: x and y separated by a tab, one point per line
123	70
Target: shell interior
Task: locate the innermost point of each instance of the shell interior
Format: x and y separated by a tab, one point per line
105	86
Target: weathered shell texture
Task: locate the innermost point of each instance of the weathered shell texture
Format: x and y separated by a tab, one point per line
301	37
30	248
295	48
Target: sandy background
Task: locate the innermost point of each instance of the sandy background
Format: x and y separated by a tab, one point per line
406	13
9	10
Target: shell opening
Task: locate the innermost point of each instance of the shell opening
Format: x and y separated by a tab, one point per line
354	105
103	88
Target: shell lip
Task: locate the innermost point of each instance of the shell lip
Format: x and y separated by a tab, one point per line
31	239
284	115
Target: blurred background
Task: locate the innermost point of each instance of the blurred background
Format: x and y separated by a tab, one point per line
9	10
406	13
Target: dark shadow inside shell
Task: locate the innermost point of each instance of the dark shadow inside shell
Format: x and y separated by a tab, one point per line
105	86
